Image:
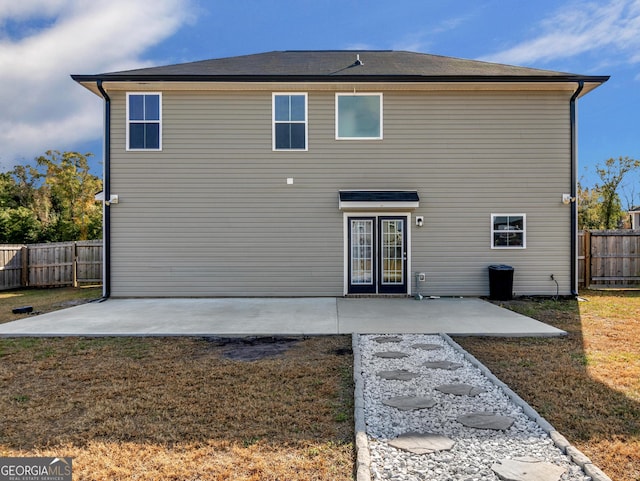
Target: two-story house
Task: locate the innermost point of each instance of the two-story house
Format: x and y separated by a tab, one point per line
329	173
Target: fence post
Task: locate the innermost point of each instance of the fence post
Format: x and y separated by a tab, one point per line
75	264
587	259
24	271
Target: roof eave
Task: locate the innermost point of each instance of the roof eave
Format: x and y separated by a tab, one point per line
590	82
340	78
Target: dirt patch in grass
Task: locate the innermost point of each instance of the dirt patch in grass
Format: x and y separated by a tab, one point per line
586	384
178	409
44	300
253	349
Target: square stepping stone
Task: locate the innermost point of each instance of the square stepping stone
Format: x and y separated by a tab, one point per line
391	354
398	375
409	403
460	389
527	469
448	365
486	421
426	443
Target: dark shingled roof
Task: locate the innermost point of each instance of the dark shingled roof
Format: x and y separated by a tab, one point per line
340	65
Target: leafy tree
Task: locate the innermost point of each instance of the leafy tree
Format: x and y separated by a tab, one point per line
71	190
7	188
612	174
53	201
19	226
589	208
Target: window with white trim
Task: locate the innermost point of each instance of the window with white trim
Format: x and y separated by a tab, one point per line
144	121
508	231
359	116
289	121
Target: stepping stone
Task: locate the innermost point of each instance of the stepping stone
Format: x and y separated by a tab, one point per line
391	354
527	469
422	443
408	403
448	365
427	347
398	375
486	421
461	389
384	339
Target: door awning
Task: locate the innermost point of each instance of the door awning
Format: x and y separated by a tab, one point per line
378	200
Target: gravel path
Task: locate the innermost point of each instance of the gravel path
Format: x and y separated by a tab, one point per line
477	452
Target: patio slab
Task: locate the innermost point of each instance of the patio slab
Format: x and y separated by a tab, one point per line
279	316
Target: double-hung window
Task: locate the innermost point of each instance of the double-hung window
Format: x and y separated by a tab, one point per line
144	121
359	116
289	121
508	231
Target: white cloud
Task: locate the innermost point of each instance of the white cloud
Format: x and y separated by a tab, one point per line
41	108
611	27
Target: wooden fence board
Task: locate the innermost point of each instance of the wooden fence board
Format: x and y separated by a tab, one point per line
51	265
609	259
89	261
10	267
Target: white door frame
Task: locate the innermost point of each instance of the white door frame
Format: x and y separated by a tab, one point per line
376	214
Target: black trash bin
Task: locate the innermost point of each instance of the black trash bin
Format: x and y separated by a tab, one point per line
500	282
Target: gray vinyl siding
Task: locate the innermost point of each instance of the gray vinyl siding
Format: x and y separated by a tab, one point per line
211	215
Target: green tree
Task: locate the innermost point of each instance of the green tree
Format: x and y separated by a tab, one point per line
19	226
7	189
71	189
53	201
589	208
612	174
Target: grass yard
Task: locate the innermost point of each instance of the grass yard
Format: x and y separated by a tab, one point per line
587	384
179	409
175	408
44	300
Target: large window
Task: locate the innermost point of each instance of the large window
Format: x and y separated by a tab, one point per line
358	116
508	231
144	121
289	121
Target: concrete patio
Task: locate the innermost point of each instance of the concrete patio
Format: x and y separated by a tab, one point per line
280	316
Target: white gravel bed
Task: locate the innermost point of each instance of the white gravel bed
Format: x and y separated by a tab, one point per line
476	450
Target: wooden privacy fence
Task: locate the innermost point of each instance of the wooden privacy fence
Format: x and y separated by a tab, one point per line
50	265
609	258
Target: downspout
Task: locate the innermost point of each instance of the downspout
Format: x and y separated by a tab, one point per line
574	189
106	188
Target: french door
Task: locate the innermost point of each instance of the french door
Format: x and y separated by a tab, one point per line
377	262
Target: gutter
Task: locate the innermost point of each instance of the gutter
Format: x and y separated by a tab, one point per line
106	209
574	189
364	78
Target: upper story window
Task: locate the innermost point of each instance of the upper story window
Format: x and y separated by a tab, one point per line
290	121
144	121
508	231
359	116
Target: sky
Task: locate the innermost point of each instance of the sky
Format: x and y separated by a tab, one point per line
43	42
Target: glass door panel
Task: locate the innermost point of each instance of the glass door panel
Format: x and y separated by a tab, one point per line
362	251
393	255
